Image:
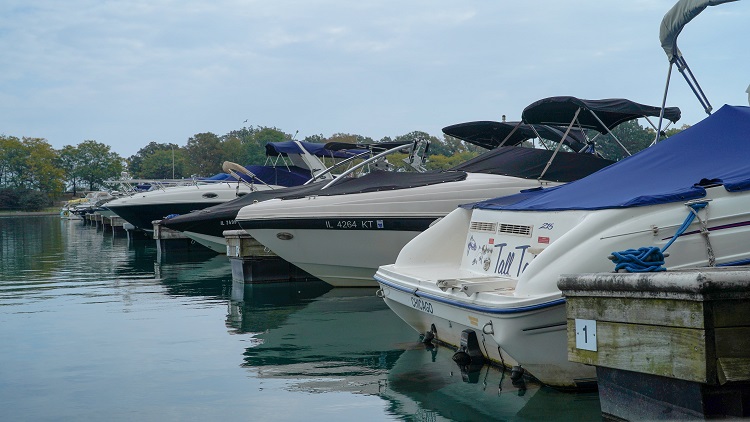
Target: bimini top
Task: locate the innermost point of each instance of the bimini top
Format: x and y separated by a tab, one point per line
489	134
292	147
675	20
375	146
600	115
677	169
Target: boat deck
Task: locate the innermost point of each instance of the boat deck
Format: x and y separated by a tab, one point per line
472	285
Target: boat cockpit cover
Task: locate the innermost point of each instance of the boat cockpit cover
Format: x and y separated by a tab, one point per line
528	163
714	151
489	134
291	147
371	182
560	111
228	210
279	175
379	180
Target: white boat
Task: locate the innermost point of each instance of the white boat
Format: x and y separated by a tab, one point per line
76	208
492	268
343	237
142	208
206	226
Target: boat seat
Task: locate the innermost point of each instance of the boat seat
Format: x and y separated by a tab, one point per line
471	285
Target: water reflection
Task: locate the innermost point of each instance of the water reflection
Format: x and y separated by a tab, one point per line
341	340
64	284
347	340
427	383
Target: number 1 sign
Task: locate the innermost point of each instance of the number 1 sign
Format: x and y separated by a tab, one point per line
586	334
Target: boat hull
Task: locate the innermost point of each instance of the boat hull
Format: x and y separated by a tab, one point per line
215	243
142	209
522	338
348	258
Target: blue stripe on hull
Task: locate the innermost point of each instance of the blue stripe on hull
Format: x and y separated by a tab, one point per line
458	304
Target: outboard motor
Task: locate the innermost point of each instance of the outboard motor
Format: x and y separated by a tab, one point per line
469	356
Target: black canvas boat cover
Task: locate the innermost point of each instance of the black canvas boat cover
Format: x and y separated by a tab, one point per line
528	163
489	134
228	210
376	146
612	112
274	149
386	180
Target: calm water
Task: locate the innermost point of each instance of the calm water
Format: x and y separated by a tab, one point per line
94	327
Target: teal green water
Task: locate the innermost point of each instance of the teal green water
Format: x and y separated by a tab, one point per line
96	327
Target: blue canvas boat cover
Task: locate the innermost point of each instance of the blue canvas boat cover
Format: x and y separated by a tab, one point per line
282	176
714	151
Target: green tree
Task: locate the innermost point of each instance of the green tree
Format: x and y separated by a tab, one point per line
205	155
350	138
316	139
449	146
98	163
69	162
43	173
163	164
12	161
241	146
135	162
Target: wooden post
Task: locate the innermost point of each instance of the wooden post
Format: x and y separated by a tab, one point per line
174	242
667	345
253	263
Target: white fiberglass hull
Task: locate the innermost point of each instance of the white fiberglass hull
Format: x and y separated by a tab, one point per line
506	269
343	239
215	243
142	208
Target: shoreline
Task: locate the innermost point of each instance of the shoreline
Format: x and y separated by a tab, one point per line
28	213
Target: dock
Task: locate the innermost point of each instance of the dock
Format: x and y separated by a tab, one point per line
666	345
253	263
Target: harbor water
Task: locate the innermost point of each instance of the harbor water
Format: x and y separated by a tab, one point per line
96	326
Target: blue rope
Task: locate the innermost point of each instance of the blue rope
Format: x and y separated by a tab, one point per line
651	259
641	260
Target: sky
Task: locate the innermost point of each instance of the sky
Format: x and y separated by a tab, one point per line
126	73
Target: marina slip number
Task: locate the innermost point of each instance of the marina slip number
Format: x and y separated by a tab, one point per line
586	334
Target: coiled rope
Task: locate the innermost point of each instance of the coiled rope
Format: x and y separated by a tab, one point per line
651	258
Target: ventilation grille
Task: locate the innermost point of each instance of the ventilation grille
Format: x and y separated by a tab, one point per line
515	229
479	226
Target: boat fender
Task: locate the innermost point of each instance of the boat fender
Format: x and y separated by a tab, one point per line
516	373
516	379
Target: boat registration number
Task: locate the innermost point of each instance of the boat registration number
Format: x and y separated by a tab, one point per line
421	305
354	224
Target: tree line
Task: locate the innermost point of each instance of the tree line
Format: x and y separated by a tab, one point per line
33	173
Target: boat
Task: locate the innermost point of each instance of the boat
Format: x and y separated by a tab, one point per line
500	279
75	209
678	204
206	226
342	238
142	208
